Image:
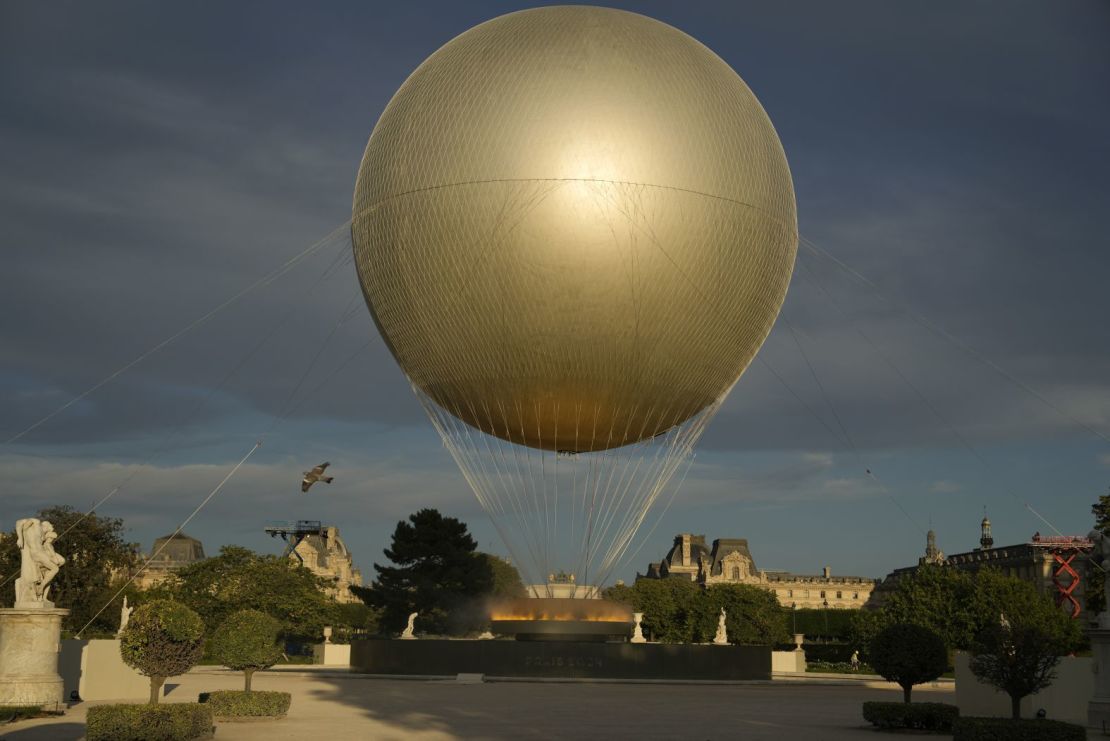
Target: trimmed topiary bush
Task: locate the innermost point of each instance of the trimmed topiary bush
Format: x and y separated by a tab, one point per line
234	705
247	641
172	722
1013	729
163	639
12	713
922	716
908	654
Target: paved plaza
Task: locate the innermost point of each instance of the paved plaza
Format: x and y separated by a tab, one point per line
337	707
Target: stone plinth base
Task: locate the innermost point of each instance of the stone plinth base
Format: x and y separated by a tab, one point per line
793	662
29	644
1098	709
332	654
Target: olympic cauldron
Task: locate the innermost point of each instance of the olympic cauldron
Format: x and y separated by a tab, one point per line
560	619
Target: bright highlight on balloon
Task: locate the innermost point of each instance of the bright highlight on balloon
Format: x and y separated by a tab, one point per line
574	228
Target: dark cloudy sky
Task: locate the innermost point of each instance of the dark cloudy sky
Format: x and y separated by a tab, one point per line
157	158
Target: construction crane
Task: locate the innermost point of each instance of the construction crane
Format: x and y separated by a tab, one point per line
294	532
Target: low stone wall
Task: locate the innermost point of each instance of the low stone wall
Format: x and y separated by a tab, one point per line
1066	699
562	659
95	671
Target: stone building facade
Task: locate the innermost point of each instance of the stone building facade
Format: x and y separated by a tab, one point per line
1055	565
327	556
173	553
729	561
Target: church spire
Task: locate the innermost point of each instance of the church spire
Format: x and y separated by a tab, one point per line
986	540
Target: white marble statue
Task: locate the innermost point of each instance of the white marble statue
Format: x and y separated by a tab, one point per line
124	616
407	635
637	632
721	639
39	563
1100	556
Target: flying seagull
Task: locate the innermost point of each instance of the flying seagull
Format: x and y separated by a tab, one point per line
316	474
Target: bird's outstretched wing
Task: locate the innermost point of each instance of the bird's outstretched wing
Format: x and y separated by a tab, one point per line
305	483
319	470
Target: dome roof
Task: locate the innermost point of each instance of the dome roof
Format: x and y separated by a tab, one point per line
176	550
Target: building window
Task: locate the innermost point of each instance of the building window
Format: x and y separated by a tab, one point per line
855	595
789	593
736	573
838	594
822	594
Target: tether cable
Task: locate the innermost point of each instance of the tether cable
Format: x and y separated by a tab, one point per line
264	280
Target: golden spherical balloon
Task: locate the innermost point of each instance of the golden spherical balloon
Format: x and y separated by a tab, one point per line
574	227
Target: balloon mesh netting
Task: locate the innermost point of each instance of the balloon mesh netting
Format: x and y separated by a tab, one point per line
609	312
581	208
572	513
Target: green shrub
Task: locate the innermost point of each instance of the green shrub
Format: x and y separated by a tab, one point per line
908	654
832	653
163	639
10	713
247	641
241	704
173	722
923	716
1011	729
837	667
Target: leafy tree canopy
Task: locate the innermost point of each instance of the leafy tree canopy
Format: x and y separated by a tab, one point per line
1018	647
940	598
1096	579
95	551
680	611
438	573
667	605
162	639
247	641
862	629
506	579
908	654
752	615
239	578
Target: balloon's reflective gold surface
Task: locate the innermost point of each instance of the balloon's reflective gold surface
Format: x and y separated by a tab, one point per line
574	227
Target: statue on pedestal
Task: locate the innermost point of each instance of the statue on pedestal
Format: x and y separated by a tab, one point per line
30	631
407	635
124	616
721	639
39	563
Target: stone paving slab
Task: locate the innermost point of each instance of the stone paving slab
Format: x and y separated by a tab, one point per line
339	707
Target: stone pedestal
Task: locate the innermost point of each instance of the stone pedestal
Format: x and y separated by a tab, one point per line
29	645
332	654
1098	709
